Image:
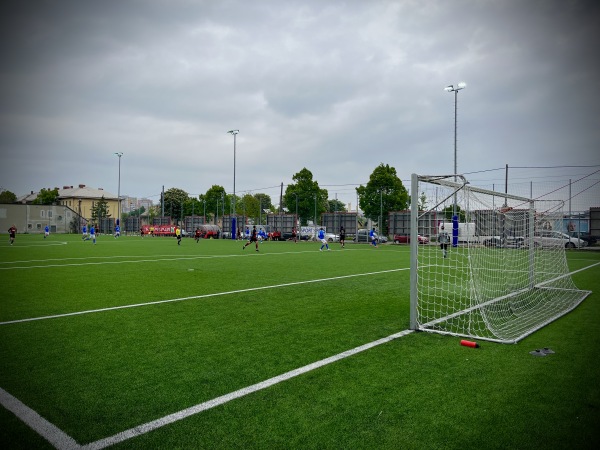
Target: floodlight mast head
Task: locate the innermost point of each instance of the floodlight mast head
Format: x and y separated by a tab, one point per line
459	86
233	131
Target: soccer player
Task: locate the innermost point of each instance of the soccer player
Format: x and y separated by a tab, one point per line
197	235
373	237
178	235
84	235
321	237
117	231
294	235
253	238
46	231
92	234
12	232
342	236
444	239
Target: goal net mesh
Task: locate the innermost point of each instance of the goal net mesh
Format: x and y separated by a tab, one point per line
500	278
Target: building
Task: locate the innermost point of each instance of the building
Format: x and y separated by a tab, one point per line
81	200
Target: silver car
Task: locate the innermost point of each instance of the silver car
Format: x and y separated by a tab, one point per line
555	239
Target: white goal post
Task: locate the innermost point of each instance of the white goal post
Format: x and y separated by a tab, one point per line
498	278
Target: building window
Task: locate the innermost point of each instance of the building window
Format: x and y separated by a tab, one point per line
39	226
49	214
42	213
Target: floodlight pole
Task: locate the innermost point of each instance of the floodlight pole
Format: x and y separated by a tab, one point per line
119	154
234	132
451	88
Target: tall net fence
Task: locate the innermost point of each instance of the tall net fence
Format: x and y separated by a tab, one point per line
503	273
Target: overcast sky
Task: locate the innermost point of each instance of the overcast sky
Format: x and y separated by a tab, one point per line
337	87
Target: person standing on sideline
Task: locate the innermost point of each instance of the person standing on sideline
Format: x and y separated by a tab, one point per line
321	237
444	239
342	236
46	231
84	235
197	235
253	238
178	235
373	237
92	234
294	236
12	232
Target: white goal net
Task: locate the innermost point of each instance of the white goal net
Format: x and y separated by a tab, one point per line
503	273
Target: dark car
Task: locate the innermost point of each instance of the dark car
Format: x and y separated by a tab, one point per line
584	236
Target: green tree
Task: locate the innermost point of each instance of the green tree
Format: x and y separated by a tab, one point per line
449	210
214	198
7	197
309	197
383	193
100	210
46	197
173	201
335	206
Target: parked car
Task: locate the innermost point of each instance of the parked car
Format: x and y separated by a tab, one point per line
549	239
507	242
584	236
332	237
363	236
404	239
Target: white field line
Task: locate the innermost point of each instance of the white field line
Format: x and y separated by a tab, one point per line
215	294
154	259
166	420
62	441
34	245
41	426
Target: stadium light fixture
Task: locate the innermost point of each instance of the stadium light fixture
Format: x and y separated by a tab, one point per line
452	88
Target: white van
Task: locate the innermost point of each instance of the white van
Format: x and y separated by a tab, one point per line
466	231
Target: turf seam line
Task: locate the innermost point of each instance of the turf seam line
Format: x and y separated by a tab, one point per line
215	294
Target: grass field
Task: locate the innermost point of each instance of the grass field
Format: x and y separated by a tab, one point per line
140	343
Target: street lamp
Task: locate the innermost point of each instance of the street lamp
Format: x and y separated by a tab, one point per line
119	154
451	88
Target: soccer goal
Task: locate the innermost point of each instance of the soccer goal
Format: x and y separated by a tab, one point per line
498	279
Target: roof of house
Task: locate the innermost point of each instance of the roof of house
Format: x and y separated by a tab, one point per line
81	191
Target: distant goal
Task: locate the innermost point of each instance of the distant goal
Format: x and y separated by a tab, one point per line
498	281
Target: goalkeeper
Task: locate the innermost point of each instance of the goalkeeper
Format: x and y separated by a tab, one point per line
444	239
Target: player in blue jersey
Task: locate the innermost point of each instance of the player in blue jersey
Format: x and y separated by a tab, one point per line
117	231
373	237
46	231
321	237
92	234
84	235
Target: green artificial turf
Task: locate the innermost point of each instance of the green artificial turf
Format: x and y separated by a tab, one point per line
146	328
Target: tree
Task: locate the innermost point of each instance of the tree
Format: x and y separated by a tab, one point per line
46	197
308	194
173	201
100	210
214	198
383	193
448	212
335	206
7	197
